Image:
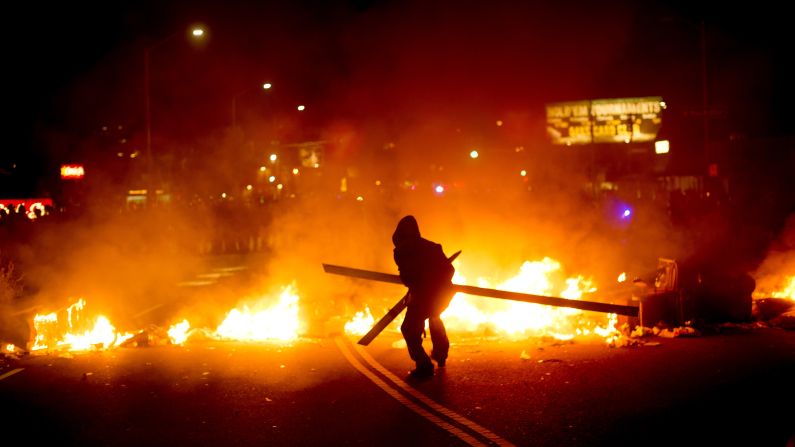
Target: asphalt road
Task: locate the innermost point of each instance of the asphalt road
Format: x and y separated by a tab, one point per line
729	388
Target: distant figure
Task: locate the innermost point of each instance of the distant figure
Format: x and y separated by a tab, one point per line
426	271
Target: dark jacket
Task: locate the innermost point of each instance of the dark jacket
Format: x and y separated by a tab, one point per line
423	268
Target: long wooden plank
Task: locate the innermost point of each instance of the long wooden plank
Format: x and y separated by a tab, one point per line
384	321
593	306
362	274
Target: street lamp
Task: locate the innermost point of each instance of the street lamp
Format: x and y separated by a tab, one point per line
195	32
264	86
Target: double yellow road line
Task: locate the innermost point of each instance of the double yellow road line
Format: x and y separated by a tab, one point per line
457	425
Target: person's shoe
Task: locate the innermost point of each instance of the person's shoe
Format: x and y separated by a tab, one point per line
422	372
440	362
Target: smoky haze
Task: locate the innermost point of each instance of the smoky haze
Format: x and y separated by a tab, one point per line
400	93
498	218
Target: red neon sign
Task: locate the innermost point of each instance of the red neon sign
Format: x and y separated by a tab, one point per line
72	172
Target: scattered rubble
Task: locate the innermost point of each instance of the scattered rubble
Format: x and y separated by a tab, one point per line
685	331
784	321
639	336
775	312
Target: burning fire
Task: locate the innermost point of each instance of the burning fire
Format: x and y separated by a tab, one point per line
77	332
788	291
361	323
279	322
778	287
178	333
468	314
74	331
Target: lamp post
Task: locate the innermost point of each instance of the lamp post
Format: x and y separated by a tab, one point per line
196	33
264	86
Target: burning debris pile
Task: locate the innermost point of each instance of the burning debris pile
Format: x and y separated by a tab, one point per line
277	319
73	331
77	329
774	296
469	315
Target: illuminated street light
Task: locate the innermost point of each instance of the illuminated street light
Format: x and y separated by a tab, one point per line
474	154
523	173
661	147
273	158
301	108
267	86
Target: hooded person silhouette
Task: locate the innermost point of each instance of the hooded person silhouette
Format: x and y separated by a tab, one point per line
428	274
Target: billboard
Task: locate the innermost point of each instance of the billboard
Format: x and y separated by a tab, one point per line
622	120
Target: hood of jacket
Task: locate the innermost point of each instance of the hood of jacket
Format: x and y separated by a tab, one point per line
407	230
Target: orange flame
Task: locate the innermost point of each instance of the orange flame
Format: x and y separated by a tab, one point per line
178	333
788	291
76	333
468	314
775	287
361	322
280	322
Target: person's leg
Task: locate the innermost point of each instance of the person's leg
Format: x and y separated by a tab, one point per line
441	344
412	328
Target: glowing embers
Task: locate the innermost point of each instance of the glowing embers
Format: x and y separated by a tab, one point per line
480	315
8	348
279	322
74	330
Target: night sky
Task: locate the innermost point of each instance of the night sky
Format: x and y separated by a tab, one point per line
74	67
